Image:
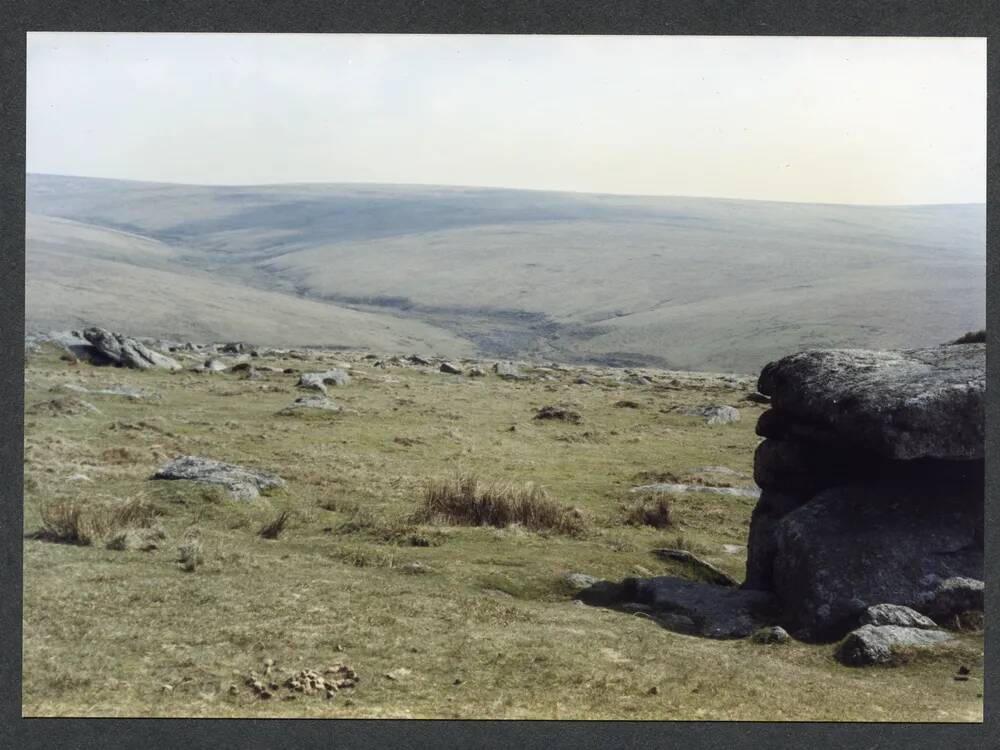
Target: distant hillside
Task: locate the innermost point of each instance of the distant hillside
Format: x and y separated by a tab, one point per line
686	283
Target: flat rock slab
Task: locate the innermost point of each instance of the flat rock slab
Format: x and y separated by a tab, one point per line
672	487
880	644
242	483
124	351
311	403
689	606
899	404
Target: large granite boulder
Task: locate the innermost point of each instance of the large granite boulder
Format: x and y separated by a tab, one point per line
898	404
123	351
872	475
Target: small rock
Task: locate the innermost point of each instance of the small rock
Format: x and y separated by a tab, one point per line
770	634
451	369
508	371
579	580
398	674
653	690
476	372
877	644
895	614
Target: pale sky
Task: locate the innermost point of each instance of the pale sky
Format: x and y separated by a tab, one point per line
812	119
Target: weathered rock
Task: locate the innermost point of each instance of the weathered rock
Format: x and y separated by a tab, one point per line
451	369
579	580
896	614
508	371
898	404
123	351
712	414
950	597
770	634
852	547
416	360
676	487
476	372
880	644
242	483
318	381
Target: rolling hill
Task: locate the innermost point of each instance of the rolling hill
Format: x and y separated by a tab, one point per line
685	283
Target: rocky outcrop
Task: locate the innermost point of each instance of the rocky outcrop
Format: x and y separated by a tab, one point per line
123	351
242	483
872	485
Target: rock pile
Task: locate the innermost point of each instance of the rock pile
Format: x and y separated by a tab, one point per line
872	486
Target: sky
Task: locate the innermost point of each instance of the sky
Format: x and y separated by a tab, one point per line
808	119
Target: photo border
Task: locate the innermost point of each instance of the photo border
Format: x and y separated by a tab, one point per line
722	17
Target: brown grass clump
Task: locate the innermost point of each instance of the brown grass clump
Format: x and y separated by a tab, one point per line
273	529
73	522
652	510
469	501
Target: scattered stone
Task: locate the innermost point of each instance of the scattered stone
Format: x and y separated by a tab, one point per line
476	372
318	381
123	351
579	580
451	369
559	412
319	403
508	371
770	634
880	644
415	360
711	414
398	674
896	614
242	483
676	487
213	365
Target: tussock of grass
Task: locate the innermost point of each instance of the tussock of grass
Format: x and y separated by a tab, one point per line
651	510
466	500
190	553
273	529
71	521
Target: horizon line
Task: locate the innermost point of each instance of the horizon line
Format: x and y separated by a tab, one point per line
502	187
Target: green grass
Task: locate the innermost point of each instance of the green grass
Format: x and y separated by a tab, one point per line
130	633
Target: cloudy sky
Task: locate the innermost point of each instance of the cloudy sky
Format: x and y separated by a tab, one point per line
842	120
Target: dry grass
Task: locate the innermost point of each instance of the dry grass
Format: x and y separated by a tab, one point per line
467	500
73	521
273	529
651	510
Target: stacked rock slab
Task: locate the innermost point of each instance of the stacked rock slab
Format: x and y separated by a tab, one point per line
872	483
